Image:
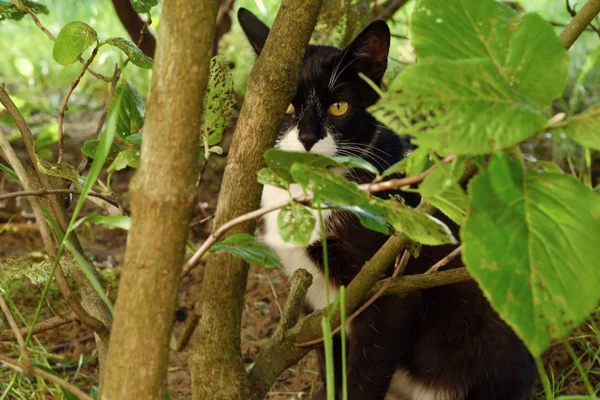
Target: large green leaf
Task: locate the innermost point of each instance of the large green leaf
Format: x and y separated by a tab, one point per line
584	128
296	224
218	101
267	176
72	40
531	241
132	110
134	53
327	185
526	51
248	248
462	107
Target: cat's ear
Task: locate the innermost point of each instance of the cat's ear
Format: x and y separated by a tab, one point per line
256	31
371	48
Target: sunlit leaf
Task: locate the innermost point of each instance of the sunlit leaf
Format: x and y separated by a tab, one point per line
218	101
531	241
296	224
10	11
267	176
72	40
584	128
134	53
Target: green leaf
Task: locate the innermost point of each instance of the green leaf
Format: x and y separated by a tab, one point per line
143	6
10	11
9	172
89	148
218	101
355	162
525	51
72	40
453	202
267	176
397	168
132	110
281	161
418	161
296	224
471	109
248	248
584	128
444	176
531	242
64	170
417	225
327	185
136	56
126	158
367	217
135	139
113	221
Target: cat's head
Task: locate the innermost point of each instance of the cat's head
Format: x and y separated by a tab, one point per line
328	114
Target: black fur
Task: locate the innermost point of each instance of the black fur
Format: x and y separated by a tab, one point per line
448	338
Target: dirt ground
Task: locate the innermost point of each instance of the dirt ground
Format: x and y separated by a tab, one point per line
266	290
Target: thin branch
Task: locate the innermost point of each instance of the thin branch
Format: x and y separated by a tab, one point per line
188	330
36	20
580	21
56	191
445	260
392	184
28	183
409	283
301	281
389	11
46	325
15	329
400	266
17	366
65	103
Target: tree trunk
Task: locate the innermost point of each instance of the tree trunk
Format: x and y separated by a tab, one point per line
162	199
216	364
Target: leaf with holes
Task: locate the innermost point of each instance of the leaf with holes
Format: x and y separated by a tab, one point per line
248	248
584	128
218	101
461	107
267	176
296	224
143	6
72	40
531	242
134	53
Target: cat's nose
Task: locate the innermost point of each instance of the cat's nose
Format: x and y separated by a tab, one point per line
308	140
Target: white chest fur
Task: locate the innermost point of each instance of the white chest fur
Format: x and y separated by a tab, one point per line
293	257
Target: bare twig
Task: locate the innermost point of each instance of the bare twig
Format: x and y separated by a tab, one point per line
15	329
392	184
17	366
400	266
301	281
202	221
409	283
29	185
389	11
46	325
65	103
188	330
580	21
444	260
56	191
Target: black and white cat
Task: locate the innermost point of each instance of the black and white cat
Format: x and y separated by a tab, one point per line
443	343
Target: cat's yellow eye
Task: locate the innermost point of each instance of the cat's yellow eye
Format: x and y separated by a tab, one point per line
290	109
338	109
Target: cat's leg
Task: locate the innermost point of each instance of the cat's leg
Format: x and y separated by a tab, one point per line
377	340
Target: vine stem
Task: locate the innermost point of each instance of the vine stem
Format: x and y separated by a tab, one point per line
367	187
17	366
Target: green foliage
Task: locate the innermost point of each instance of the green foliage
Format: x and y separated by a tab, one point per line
89	148
64	170
248	248
218	104
483	93
10	11
143	6
131	50
131	110
113	221
72	40
296	224
584	128
126	158
530	240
